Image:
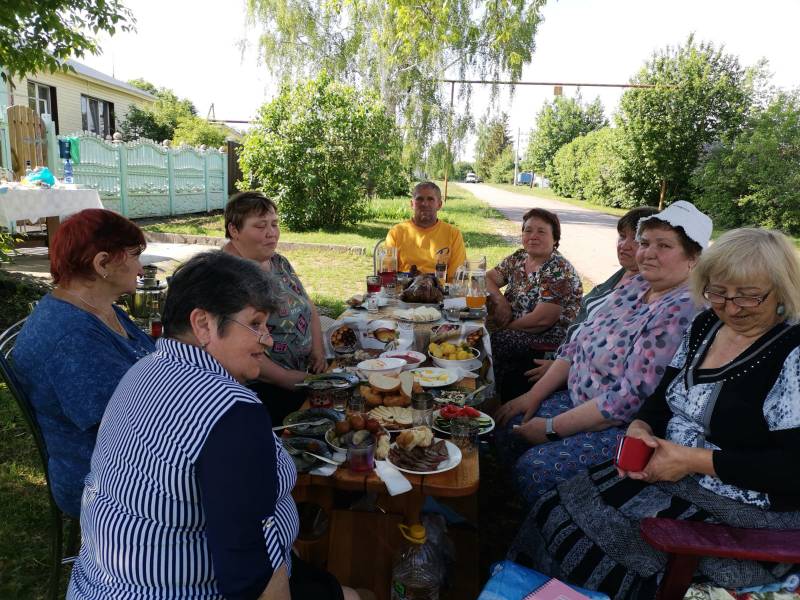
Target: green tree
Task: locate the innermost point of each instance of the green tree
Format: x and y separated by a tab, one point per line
460	170
320	148
558	123
439	160
40	36
701	94
753	178
502	170
493	138
160	122
399	49
196	131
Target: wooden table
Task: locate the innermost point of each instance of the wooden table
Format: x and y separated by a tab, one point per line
355	539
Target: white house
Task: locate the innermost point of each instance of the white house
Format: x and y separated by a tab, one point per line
79	100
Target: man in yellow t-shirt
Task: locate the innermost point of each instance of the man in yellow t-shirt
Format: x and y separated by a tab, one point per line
424	238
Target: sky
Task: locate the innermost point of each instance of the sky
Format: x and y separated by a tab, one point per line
194	47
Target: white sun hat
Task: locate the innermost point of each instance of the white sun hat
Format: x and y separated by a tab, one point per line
697	225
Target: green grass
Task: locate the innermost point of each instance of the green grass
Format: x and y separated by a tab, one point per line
24	509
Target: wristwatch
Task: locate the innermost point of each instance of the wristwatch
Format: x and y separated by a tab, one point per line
549	432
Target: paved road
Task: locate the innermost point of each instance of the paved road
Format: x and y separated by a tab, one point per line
588	238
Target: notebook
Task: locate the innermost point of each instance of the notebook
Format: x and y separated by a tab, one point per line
555	590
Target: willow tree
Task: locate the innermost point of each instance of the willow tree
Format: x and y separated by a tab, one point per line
400	49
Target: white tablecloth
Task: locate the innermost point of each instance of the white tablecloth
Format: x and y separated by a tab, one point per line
19	204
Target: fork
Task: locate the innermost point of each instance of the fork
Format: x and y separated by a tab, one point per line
304	423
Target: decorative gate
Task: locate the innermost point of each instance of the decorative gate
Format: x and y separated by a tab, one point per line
28	139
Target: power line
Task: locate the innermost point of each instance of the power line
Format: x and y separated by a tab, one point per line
550	83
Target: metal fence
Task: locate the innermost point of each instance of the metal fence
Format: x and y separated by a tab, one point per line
139	178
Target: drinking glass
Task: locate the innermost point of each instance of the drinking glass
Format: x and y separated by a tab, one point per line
355	405
387	265
362	460
373	284
422	409
476	289
464	433
339	400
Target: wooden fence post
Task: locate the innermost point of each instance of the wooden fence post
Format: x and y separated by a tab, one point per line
122	158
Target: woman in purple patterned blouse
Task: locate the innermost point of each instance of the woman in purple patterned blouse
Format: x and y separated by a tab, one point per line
542	297
612	365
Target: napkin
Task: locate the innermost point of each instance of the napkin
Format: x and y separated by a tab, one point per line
396	482
464	373
325	470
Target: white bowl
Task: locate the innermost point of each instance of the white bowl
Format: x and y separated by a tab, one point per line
469	364
419	356
385	366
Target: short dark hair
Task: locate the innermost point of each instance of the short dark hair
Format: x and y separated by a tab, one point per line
547	217
426	184
219	283
691	248
630	220
244	204
84	235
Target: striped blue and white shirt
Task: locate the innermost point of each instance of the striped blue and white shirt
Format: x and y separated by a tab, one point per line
189	493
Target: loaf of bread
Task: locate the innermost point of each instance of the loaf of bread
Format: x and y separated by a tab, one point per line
416	437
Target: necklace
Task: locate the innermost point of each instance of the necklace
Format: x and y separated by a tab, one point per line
112	321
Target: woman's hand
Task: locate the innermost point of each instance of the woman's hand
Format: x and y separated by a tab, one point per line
670	462
501	311
532	431
535	374
643	431
520	404
317	362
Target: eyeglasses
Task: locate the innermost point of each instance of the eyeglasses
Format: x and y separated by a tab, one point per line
263	338
740	301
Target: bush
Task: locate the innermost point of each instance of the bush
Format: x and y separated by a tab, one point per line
321	149
17	293
196	131
754	178
460	170
502	170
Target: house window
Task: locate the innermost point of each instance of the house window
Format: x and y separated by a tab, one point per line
42	100
97	116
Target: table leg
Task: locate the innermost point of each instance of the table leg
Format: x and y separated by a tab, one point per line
53	223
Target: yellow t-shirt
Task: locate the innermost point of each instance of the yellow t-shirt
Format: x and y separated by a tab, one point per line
418	246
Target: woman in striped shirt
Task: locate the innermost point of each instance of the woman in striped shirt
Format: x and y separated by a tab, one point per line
189	493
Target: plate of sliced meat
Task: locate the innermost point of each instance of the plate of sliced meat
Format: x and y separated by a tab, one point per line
424	456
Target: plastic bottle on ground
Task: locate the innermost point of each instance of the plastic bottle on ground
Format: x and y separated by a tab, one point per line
417	572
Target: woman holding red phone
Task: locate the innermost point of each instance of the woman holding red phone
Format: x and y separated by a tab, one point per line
723	427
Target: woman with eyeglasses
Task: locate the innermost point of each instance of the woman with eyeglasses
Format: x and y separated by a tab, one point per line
77	344
189	493
724	424
253	230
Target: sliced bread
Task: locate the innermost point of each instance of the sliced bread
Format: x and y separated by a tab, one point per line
406	384
384	383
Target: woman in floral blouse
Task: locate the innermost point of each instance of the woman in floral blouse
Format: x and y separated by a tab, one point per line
614	362
542	296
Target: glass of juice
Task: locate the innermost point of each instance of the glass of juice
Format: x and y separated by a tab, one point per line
476	289
373	284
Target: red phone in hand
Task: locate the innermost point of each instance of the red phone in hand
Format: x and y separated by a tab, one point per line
632	454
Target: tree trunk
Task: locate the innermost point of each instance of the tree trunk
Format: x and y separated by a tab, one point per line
663	195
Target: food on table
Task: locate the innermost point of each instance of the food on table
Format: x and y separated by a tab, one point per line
474	338
406	384
384	334
363	431
418	436
450	351
371	396
382	448
452	396
392	417
416	450
384	383
357	422
420	314
433	376
386	366
425	289
458	412
343	337
342	427
351	360
446	415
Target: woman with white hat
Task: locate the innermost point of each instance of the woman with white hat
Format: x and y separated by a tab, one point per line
613	363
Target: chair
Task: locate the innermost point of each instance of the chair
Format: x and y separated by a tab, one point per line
686	541
57	517
380	244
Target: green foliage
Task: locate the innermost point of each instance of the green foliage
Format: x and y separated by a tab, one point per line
754	177
320	149
460	170
196	131
493	139
503	168
17	292
701	94
400	49
160	122
439	159
558	123
40	36
589	168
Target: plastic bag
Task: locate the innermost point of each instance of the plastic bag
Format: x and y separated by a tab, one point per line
40	176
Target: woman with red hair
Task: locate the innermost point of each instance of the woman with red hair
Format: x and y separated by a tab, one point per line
76	345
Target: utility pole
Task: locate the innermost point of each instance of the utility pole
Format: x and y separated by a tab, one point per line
449	154
516	159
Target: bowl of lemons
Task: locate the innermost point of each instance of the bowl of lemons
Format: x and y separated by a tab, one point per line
449	355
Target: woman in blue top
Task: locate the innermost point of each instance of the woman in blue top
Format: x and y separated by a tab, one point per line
189	494
77	345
